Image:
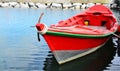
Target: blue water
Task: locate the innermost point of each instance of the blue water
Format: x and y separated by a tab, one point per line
20	50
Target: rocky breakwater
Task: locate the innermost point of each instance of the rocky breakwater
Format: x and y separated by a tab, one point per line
48	5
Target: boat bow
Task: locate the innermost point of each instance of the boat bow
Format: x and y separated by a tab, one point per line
42	28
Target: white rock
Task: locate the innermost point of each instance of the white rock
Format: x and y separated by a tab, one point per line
56	5
67	5
90	4
24	5
1	3
84	6
17	5
112	1
48	4
98	3
13	4
77	5
113	5
6	4
39	5
107	5
31	5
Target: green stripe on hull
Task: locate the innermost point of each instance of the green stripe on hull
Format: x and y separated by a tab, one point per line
77	35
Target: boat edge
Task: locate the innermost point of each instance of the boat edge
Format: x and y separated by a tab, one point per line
77	35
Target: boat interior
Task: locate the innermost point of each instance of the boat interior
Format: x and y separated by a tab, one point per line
96	20
87	23
89	19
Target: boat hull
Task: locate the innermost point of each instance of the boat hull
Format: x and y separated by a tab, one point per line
72	43
79	35
66	48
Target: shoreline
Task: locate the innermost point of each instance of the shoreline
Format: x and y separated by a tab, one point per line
50	5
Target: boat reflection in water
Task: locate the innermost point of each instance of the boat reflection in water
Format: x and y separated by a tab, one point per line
118	50
96	61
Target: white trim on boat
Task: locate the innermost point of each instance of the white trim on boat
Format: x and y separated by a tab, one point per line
77	56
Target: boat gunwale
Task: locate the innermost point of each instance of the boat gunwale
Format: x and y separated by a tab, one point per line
77	35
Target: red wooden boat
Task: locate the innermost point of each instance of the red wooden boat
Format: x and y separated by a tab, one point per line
79	35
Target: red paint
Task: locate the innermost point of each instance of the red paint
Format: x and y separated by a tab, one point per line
39	26
97	15
67	43
77	29
118	30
